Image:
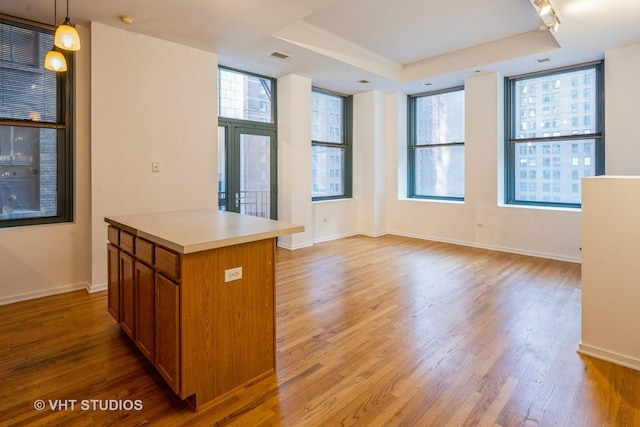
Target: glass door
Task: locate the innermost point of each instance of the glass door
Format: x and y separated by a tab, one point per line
246	170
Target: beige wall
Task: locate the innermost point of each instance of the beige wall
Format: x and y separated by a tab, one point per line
151	100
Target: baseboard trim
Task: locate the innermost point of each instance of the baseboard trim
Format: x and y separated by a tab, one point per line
378	234
334	237
491	247
293	247
96	288
609	356
44	293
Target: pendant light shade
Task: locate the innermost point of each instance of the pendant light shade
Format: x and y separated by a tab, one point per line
55	61
67	37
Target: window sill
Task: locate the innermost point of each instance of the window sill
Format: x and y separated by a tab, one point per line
538	207
420	200
341	199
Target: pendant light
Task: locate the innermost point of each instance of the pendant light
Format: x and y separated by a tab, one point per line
54	60
66	36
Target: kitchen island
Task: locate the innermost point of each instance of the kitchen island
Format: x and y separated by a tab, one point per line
195	290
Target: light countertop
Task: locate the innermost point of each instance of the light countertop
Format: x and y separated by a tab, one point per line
201	229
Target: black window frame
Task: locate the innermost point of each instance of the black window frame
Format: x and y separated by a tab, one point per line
412	144
232	128
511	140
64	126
346	144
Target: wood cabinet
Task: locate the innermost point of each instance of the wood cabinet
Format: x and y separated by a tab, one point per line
113	281
167	337
143	301
127	293
145	310
205	334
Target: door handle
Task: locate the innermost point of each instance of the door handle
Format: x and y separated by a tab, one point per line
237	200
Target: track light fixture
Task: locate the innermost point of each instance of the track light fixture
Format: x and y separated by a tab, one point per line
54	60
548	14
545	7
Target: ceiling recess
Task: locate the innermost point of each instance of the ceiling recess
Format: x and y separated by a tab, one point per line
279	55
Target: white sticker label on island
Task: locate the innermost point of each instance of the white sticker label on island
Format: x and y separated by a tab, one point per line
233	274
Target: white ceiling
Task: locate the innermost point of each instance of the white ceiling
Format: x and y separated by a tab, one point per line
396	45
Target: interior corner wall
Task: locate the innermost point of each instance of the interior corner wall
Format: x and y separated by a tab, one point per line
143	110
622	88
370	162
482	220
42	260
396	145
294	158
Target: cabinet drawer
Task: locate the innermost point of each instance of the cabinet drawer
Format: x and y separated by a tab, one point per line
113	235
144	251
126	242
168	262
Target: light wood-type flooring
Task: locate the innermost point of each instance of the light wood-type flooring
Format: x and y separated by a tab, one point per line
387	331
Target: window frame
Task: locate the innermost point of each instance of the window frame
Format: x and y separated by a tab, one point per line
274	94
511	141
233	126
346	145
65	138
412	123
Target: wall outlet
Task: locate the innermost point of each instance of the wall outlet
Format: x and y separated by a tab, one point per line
233	274
155	166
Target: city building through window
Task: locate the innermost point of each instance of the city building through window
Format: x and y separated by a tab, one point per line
436	145
554	135
331	117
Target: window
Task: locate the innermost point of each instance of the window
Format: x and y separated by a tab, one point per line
36	156
331	117
244	96
436	144
247	143
570	137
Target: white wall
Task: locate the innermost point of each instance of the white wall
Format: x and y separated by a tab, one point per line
151	100
622	87
43	260
481	220
610	269
369	162
294	158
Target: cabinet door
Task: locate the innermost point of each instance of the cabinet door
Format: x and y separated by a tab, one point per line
144	310
113	282
167	339
127	294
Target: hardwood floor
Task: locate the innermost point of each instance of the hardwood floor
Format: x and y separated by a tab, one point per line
388	331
